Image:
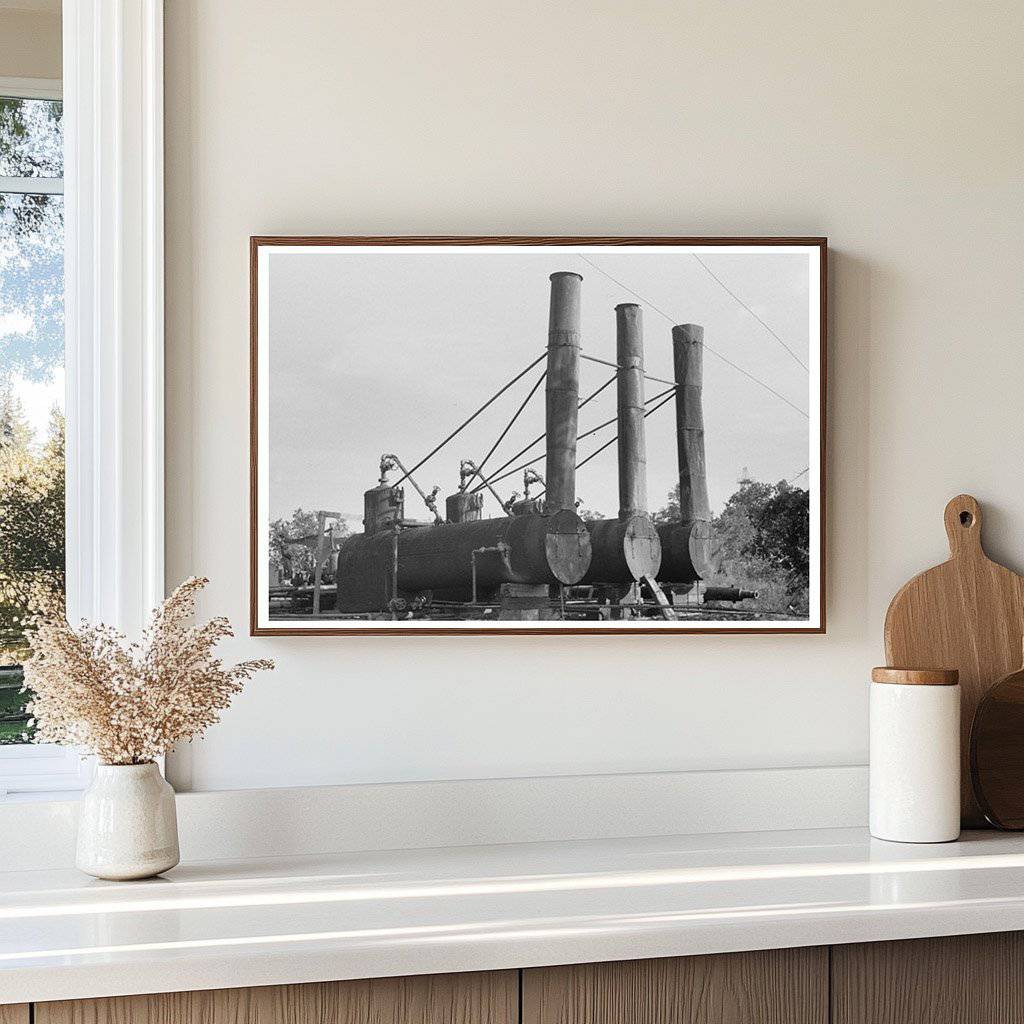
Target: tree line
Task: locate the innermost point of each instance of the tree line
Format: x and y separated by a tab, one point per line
762	542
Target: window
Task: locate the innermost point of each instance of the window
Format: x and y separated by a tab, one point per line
111	176
31	408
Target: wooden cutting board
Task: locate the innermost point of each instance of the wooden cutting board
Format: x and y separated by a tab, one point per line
967	614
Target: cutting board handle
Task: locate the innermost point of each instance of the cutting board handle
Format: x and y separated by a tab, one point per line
963	526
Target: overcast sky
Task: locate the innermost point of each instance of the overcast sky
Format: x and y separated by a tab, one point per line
389	352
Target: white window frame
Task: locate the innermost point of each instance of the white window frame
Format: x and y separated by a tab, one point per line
31	88
114	330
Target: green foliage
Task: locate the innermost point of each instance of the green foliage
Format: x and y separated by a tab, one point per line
782	524
762	537
31	542
31	137
31	347
669	513
31	523
290	552
293	542
14	719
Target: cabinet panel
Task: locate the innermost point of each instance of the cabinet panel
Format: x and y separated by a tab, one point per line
779	986
962	979
480	998
14	1013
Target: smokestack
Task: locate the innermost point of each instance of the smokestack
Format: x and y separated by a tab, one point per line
686	545
629	347
562	391
627	549
688	356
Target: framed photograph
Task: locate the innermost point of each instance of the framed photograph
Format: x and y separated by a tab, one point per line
537	435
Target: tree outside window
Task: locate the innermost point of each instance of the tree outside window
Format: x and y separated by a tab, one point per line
31	385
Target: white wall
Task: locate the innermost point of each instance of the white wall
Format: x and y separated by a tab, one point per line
895	129
30	39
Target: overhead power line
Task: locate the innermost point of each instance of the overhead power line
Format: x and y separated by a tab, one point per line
673	320
730	292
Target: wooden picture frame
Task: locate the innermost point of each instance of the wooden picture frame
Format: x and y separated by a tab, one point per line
389	599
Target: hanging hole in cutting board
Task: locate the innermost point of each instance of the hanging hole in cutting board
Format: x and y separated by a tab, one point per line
966	519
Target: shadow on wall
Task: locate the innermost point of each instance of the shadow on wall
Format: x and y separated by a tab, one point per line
851	284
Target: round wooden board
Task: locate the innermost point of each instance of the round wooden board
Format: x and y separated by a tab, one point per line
997	753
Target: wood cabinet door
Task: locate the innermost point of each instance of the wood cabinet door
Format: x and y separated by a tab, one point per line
479	998
777	986
962	979
14	1013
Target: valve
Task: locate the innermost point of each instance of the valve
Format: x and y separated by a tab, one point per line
467	470
430	500
387	464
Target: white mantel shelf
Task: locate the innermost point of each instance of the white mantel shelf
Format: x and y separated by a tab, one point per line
285	920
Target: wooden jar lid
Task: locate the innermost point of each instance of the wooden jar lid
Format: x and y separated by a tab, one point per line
916	676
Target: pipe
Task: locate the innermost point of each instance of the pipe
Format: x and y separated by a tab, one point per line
318	571
632	443
562	391
729	594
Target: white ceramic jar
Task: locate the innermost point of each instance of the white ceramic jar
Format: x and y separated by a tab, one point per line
915	755
127	825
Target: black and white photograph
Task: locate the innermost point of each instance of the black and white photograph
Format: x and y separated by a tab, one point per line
537	435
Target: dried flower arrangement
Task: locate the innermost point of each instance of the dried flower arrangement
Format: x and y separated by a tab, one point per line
129	703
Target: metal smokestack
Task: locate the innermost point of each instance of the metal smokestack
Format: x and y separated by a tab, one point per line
627	549
688	357
632	445
562	391
686	544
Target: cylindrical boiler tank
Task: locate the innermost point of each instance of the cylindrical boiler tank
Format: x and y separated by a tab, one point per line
535	549
686	551
625	550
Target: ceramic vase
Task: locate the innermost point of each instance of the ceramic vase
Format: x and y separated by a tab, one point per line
127	826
